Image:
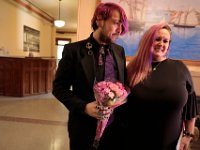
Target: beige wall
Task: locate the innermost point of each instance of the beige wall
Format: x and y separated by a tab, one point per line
195	72
85	13
72	36
12	19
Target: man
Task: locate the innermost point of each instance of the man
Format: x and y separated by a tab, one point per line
83	64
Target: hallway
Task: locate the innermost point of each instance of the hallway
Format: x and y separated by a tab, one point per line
36	123
33	123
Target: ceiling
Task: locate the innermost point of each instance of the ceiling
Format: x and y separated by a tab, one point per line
68	12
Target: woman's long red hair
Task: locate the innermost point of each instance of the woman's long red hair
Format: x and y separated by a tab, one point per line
140	66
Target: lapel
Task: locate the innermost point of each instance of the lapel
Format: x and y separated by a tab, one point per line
119	62
88	63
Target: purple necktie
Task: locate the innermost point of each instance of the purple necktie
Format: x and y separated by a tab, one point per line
101	55
109	70
109	76
109	67
109	63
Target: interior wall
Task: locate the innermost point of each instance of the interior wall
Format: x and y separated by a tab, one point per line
72	36
12	19
195	72
86	9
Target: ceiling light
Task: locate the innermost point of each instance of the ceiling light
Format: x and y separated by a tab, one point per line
59	23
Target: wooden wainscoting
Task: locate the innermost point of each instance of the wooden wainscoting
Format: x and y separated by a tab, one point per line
26	76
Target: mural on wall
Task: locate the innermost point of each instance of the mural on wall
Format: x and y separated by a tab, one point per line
183	16
31	39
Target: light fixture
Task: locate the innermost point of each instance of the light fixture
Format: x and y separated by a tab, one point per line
59	23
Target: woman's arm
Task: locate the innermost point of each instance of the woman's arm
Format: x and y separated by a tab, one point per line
188	133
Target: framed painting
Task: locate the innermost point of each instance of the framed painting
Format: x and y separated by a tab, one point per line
183	16
31	39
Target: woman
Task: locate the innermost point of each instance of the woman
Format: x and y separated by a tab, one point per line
162	102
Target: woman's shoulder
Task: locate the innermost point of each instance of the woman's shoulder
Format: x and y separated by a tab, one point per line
179	64
176	62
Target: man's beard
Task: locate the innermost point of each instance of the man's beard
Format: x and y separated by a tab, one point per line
104	38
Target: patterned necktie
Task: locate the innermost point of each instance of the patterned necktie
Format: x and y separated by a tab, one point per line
109	75
101	55
109	67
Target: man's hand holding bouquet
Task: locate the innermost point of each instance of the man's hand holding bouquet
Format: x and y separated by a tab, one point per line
109	95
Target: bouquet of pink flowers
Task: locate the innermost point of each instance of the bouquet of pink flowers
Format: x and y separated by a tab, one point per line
111	95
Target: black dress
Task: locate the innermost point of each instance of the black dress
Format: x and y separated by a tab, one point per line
156	107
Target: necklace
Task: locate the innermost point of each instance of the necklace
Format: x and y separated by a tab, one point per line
155	68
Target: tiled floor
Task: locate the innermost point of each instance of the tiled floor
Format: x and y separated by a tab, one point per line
33	123
36	123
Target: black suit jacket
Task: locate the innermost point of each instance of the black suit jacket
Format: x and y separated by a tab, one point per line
73	86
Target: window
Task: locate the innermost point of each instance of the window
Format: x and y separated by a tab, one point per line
60	42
